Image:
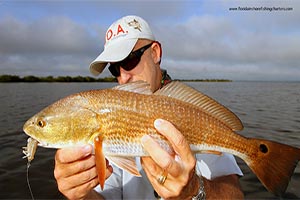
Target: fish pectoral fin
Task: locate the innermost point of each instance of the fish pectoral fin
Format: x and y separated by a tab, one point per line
211	152
126	163
100	161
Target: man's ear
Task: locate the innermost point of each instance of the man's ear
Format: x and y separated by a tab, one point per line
156	52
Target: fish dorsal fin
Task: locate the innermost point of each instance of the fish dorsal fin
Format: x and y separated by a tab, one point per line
188	94
126	163
140	87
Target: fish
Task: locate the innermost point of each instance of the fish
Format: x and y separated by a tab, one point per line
114	120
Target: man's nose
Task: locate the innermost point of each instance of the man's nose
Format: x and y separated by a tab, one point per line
124	77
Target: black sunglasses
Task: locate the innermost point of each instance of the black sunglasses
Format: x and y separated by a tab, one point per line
130	62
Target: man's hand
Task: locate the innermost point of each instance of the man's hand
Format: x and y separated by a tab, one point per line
181	181
75	171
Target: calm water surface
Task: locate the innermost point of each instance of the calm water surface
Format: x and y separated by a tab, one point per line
268	110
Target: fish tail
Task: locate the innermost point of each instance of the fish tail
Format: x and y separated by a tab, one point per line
274	164
100	161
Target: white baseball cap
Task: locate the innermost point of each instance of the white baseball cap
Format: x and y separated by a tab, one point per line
120	39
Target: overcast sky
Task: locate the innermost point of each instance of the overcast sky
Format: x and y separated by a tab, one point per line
238	40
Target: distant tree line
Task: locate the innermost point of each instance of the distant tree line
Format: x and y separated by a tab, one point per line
14	78
203	80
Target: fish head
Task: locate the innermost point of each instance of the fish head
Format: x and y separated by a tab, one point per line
67	122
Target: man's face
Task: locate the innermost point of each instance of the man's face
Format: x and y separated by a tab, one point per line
147	69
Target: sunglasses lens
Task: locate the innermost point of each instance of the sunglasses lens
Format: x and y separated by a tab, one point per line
129	63
114	70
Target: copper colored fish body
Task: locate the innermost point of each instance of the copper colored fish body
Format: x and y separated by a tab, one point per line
114	120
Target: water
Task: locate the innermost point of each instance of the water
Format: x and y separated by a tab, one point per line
268	110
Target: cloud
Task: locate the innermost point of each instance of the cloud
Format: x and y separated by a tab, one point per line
46	46
205	39
54	35
246	49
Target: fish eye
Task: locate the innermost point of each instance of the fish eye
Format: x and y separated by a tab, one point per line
41	123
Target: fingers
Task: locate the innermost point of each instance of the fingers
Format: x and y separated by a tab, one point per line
160	156
177	140
153	171
75	171
68	160
178	169
70	169
78	185
72	154
150	167
78	192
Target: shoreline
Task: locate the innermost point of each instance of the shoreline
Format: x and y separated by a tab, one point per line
50	79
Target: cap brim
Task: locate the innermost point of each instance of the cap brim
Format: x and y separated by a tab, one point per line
112	53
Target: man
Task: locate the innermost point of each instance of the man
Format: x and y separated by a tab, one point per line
134	54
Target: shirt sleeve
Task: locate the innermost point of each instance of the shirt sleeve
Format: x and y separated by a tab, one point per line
212	166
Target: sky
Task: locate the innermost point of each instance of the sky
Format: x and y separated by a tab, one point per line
205	39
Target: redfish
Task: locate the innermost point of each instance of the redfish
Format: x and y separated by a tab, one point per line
114	121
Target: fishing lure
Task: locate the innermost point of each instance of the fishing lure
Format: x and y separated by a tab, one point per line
29	152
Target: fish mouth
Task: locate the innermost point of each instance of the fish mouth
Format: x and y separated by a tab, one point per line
29	126
38	142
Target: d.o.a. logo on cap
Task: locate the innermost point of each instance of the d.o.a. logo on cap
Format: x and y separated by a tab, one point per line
120	31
